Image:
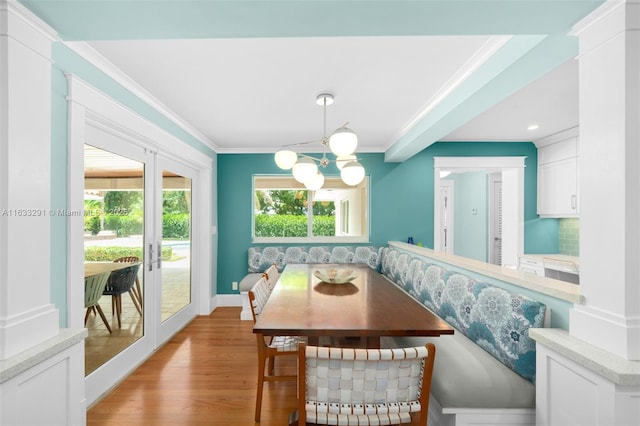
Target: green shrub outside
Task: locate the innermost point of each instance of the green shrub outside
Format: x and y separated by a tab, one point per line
124	226
173	225
111	253
93	225
176	225
293	226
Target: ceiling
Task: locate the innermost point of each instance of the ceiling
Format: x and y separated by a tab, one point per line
243	76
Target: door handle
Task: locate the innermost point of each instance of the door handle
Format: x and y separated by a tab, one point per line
150	257
159	255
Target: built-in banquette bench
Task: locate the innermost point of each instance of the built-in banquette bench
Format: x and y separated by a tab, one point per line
485	372
261	257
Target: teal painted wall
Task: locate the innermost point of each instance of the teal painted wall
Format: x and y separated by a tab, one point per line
67	61
401	200
470	229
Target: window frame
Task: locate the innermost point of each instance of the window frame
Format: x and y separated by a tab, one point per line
290	183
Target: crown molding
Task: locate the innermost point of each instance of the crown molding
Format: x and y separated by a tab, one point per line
106	66
572	132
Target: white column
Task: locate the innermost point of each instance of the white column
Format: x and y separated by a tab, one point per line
610	180
27	316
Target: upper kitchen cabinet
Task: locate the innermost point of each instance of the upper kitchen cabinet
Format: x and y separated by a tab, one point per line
558	192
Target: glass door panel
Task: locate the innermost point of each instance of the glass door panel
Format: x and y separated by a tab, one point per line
171	245
113	241
176	244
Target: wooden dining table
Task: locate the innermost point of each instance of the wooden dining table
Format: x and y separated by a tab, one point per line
366	308
95	268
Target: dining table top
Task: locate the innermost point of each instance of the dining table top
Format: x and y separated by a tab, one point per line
95	268
368	306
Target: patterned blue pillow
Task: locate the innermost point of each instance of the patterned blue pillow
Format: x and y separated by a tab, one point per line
260	258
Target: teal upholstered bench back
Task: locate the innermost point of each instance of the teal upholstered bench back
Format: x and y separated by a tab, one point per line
261	257
495	319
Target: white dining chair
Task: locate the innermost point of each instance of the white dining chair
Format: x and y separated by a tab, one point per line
345	386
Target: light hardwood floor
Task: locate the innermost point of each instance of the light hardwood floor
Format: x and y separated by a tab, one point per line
205	375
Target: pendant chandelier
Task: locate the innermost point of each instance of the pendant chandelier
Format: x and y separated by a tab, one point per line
342	143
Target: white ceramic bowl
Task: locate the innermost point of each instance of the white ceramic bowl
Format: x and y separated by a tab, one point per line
335	276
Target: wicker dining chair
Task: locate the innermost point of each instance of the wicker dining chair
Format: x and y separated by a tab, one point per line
269	347
341	386
272	274
137	290
93	288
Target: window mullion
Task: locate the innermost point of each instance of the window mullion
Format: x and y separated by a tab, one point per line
309	214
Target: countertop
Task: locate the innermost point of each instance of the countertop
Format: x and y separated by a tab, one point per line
555	288
559	262
610	366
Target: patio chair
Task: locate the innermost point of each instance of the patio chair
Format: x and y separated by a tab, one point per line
137	290
340	386
119	282
93	288
271	348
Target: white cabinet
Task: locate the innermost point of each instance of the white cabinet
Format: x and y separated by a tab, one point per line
558	177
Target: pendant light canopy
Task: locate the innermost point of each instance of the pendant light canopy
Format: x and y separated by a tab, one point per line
342	143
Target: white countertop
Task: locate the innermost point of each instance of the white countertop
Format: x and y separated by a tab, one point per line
31	357
610	366
555	288
559	262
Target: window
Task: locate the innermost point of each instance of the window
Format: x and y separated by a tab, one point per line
285	211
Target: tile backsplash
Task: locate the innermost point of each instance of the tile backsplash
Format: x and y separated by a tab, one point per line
569	236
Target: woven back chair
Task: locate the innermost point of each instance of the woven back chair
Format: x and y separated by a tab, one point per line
272	274
119	282
340	386
137	290
271	347
93	288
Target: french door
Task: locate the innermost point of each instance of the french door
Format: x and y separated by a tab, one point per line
170	246
164	190
177	233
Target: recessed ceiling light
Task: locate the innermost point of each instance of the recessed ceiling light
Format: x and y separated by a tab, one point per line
533	127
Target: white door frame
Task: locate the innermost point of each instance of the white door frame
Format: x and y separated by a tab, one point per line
448	241
512	169
495	199
89	107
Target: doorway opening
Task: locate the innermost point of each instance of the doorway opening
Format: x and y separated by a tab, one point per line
510	228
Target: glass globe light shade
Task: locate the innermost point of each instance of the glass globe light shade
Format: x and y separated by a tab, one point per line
304	170
285	159
352	173
344	159
315	183
343	142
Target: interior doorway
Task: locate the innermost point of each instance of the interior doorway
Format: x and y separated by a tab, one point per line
511	171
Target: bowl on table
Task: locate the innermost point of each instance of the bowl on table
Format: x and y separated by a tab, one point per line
335	275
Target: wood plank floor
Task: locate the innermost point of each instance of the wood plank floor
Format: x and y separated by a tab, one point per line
205	375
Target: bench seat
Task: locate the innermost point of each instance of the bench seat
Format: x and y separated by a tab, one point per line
485	372
469	383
